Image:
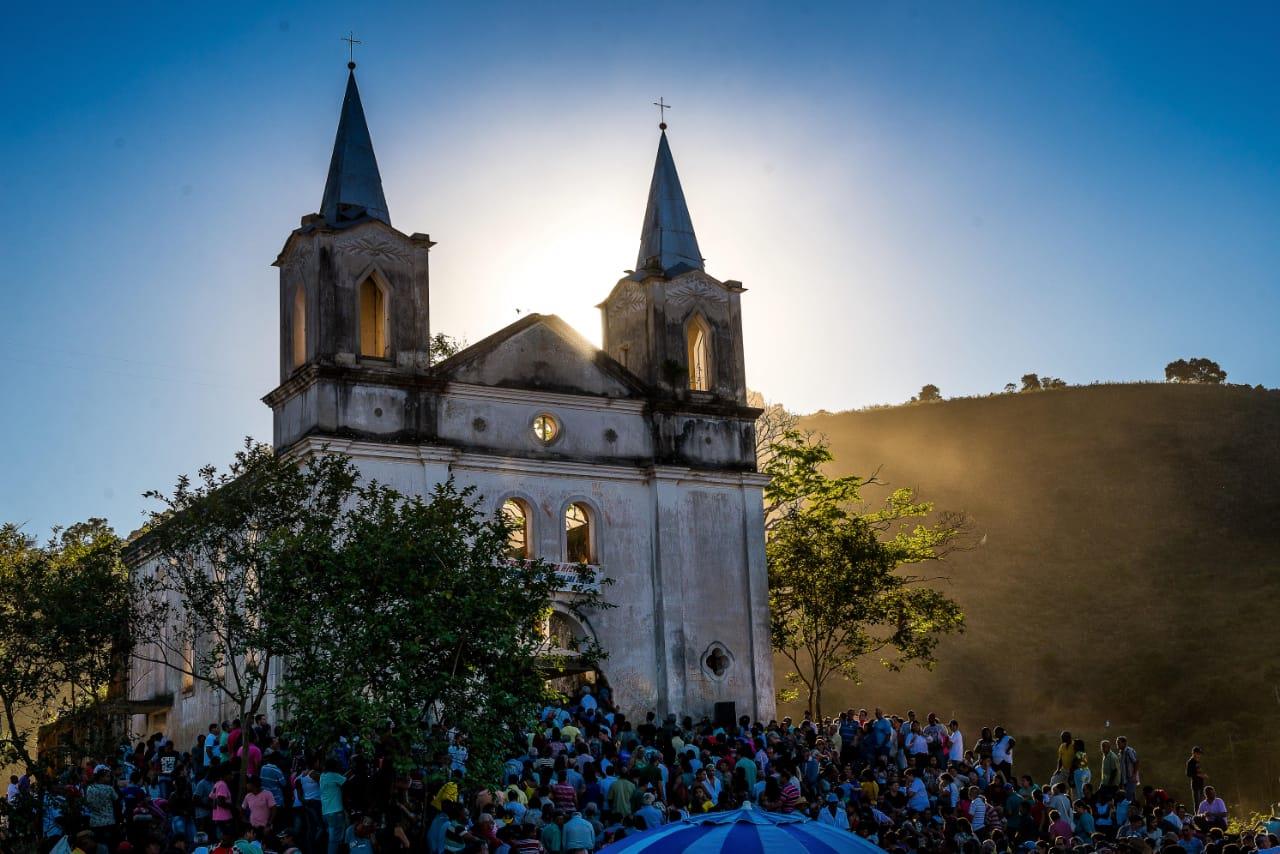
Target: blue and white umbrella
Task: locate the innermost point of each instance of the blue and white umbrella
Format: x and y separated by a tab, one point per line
743	831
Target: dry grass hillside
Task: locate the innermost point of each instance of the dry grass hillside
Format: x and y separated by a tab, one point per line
1130	570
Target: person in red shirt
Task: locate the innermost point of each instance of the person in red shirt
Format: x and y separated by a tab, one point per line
563	793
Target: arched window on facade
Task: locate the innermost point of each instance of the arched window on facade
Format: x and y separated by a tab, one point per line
520	538
563	632
299	326
698	338
373	320
578	537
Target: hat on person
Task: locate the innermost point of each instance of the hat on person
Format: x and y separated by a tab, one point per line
202	838
833	798
1197	749
648	798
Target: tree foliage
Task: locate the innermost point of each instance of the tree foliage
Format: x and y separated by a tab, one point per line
1203	371
1031	382
839	585
378	614
63	627
929	393
772	424
209	602
797	483
442	346
415	616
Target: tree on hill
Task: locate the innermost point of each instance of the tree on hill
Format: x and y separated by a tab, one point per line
63	626
1031	382
839	585
1202	371
1052	382
928	394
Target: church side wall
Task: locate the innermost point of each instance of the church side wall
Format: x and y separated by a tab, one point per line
710	567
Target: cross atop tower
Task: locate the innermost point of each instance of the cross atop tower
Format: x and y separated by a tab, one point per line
352	41
662	106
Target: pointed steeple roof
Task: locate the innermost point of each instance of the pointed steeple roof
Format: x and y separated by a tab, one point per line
667	241
353	190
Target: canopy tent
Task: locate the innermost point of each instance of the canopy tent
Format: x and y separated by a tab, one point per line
744	831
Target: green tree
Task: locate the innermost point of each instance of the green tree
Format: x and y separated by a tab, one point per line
414	617
1030	382
839	585
63	628
210	600
442	346
928	394
1201	370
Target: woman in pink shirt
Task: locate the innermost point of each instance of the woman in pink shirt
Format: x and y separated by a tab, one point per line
220	799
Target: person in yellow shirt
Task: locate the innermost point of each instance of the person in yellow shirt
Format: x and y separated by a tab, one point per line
448	791
1066	758
870	788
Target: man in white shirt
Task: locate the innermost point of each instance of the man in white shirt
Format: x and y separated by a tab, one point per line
956	752
1002	754
833	813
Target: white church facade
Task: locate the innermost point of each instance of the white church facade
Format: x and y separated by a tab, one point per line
637	458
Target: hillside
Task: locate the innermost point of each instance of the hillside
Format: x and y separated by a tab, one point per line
1130	570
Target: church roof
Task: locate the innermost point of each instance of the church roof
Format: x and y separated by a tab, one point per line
353	191
667	241
541	351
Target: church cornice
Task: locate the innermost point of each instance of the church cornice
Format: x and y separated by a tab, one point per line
716	407
540	397
464	460
314	224
310	374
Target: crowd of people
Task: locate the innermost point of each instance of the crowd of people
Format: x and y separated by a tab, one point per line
587	775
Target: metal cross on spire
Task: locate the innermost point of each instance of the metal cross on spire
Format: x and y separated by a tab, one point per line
662	106
352	41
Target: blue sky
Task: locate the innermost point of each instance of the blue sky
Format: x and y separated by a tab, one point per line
955	193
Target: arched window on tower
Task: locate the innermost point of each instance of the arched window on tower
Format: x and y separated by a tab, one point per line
520	534
579	539
373	320
698	337
299	326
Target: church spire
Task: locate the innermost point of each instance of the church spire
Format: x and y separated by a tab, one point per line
353	190
667	241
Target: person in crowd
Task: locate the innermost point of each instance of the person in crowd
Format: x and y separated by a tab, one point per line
1196	775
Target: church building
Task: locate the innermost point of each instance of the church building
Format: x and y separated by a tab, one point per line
637	459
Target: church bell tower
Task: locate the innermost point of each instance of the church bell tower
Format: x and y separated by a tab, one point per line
354	330
669	322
